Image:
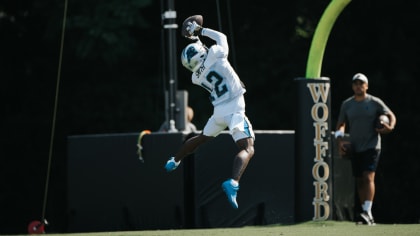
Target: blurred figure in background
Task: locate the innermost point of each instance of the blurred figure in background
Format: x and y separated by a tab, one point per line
189	126
361	112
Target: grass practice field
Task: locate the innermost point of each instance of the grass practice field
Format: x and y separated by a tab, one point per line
305	229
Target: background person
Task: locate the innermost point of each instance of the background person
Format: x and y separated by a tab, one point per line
361	112
189	125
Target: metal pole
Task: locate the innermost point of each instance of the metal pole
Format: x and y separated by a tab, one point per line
170	26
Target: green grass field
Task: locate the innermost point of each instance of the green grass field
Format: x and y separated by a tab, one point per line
305	229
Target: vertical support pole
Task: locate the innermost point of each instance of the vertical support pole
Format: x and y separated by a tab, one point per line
313	164
169	25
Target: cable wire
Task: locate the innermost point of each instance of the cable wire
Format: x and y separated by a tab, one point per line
55	110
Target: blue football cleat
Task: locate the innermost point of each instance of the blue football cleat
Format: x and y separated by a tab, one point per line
231	191
171	164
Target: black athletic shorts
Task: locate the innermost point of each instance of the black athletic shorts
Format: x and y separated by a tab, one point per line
365	161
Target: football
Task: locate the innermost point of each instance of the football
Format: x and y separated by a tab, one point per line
382	119
348	151
197	18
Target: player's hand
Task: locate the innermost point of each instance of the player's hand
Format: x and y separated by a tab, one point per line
193	28
386	129
344	148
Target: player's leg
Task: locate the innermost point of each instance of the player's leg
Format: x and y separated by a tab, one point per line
246	152
211	130
358	169
190	146
243	135
366	184
366	190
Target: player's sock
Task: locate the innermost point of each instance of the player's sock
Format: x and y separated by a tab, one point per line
367	206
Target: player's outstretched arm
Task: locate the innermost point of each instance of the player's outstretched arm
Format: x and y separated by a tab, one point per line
217	36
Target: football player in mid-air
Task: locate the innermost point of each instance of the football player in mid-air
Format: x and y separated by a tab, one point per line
212	71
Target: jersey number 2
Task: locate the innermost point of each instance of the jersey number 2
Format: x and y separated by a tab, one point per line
216	79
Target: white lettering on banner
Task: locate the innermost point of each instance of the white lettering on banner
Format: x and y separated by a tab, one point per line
320	170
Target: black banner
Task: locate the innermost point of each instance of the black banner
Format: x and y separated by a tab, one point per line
313	172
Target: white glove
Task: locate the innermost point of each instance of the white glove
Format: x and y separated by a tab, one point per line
193	27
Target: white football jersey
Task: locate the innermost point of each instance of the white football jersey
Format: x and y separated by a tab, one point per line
216	75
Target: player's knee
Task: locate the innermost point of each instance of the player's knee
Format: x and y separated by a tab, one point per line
247	146
250	150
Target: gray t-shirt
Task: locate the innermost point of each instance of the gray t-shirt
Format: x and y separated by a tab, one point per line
360	118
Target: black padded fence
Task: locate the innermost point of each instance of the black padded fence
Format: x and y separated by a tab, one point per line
110	189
